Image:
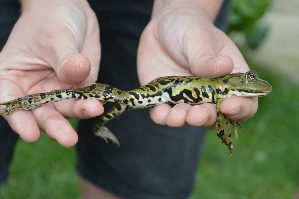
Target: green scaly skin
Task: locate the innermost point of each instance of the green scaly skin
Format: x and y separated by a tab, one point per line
170	90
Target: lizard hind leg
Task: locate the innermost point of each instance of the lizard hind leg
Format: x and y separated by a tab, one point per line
223	129
98	125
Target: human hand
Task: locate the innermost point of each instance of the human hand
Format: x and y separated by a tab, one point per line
54	45
181	40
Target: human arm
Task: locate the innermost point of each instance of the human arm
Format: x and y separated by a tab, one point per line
181	39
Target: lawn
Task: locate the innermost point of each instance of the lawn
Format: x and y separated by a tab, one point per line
265	160
264	163
42	169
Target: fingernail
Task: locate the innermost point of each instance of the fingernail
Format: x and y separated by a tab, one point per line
235	112
87	114
214	59
184	124
203	123
211	60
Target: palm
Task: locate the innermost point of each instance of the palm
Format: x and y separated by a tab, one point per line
188	45
45	53
186	49
38	64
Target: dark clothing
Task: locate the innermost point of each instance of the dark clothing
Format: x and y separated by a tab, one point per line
9	14
153	161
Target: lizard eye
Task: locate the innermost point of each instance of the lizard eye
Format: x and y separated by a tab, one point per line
250	76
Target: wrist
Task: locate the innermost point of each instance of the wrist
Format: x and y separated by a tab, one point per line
206	8
44	5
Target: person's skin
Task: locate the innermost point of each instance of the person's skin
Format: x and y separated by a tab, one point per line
182	40
58	47
53	48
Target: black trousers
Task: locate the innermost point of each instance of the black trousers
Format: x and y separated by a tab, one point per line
153	161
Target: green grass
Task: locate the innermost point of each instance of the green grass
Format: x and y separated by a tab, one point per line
264	164
42	169
265	160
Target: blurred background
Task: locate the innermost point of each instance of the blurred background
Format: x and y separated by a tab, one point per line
265	163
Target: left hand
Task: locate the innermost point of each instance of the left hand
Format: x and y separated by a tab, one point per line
181	40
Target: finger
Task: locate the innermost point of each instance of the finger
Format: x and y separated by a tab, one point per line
177	115
53	42
239	108
24	124
21	122
55	126
64	49
202	115
60	44
159	113
219	66
213	55
62	53
232	51
204	54
80	109
73	68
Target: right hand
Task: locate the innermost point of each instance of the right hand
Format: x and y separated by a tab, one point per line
181	40
54	45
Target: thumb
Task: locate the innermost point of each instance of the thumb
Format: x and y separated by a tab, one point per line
61	41
215	56
62	53
212	65
73	68
206	57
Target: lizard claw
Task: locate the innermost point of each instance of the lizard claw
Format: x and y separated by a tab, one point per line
106	134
